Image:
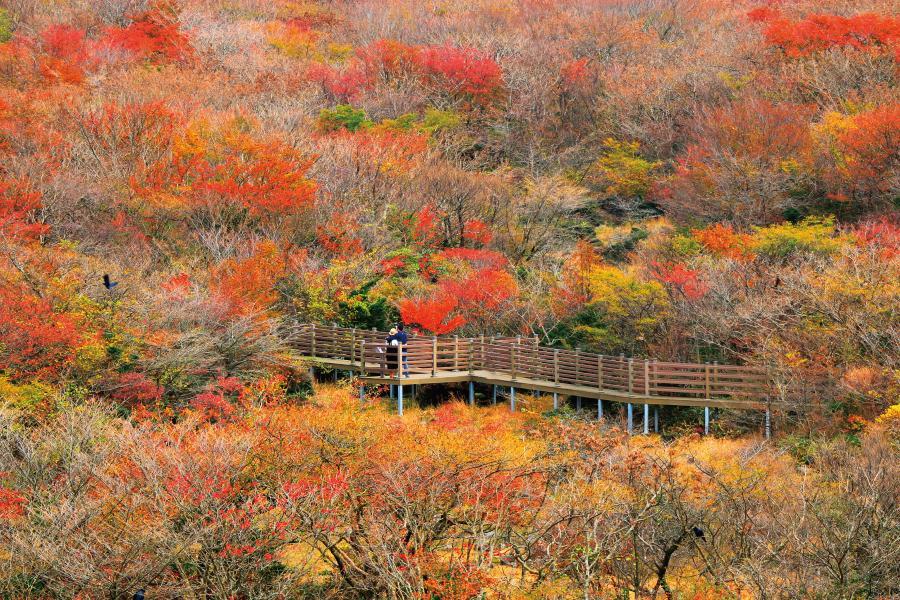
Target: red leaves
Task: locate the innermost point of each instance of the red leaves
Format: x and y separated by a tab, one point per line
341	85
136	388
685	281
12	504
815	33
67	53
17	211
477	232
153	35
461	70
35	341
434	314
338	238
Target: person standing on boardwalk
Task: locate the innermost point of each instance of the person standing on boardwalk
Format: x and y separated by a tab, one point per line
391	352
403	338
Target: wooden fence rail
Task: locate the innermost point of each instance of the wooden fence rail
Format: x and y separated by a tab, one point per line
523	359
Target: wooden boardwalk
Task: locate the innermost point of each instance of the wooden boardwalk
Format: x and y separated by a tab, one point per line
521	363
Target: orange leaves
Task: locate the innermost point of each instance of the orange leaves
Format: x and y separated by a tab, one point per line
216	168
433	314
248	286
153	35
18	211
870	149
721	240
35	340
869	32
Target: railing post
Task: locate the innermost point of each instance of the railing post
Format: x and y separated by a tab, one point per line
471	356
362	357
706	377
334	339
600	374
715	375
556	366
512	356
630	375
481	360
434	356
313	344
352	344
456	353
646	377
577	363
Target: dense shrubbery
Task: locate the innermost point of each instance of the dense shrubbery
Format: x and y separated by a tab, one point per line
351	501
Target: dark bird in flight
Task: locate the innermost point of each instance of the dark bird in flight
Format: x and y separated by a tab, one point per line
139	595
108	283
699	533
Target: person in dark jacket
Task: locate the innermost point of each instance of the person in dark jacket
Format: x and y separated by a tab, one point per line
402	337
391	352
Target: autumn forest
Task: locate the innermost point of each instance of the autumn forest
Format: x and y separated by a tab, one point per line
184	183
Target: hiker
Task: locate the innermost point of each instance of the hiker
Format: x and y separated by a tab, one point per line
393	347
403	338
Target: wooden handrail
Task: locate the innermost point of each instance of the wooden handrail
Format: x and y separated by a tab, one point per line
366	351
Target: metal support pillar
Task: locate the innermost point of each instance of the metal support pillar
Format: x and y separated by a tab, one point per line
705	420
599	408
512	399
656	419
630	419
768	423
577	403
646	419
471	393
400	399
494	400
555	401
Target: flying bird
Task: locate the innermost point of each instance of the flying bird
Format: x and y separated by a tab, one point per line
699	533
108	283
139	595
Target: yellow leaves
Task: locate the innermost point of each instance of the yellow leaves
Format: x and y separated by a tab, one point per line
621	291
292	39
890	420
23	397
623	171
814	235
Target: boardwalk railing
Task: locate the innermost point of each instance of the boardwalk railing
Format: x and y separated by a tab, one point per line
524	361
